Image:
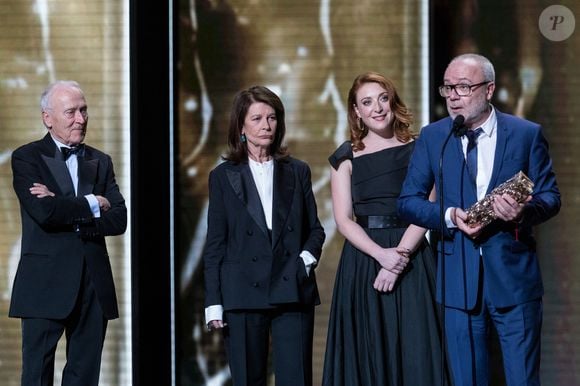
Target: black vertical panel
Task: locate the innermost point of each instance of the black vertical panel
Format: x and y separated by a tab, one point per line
443	20
150	194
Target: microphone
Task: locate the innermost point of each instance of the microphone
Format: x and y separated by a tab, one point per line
457	128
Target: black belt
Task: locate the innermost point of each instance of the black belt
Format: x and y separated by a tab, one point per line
374	222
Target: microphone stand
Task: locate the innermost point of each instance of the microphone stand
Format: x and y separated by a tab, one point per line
456	129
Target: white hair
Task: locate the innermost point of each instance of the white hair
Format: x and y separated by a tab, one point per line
49	90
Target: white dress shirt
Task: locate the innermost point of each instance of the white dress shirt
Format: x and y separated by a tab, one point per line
485	155
263	173
72	163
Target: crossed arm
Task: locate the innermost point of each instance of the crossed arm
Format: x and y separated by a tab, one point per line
41	191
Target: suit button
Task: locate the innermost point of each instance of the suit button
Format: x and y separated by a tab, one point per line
250	232
254	258
285	278
290	228
255	284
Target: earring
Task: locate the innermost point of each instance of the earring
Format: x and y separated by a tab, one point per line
243	138
361	125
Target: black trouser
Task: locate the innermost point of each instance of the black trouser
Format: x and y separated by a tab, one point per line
85	330
247	339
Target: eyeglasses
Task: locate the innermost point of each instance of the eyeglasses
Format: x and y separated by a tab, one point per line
461	89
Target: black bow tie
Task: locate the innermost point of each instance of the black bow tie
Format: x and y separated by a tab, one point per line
68	151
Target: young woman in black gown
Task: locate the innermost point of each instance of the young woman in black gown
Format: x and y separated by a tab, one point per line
384	327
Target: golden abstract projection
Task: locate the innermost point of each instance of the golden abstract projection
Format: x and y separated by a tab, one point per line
42	41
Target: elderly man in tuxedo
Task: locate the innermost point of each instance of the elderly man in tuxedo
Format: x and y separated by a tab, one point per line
491	272
69	202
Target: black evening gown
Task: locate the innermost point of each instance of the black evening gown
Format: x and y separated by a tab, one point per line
382	339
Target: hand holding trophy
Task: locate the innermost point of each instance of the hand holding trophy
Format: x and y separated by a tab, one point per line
519	187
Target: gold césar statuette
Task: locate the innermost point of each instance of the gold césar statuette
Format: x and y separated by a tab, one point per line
519	187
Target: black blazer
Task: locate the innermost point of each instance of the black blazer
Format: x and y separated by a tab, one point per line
243	268
59	233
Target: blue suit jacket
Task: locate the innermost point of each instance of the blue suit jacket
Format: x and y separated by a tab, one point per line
243	268
512	272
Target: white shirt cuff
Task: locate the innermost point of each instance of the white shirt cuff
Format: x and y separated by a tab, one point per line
94	204
309	261
215	312
448	221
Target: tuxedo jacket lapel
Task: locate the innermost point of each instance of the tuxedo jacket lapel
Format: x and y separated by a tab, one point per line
59	171
87	175
282	197
87	172
243	185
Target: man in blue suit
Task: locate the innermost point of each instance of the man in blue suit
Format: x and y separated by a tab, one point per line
491	272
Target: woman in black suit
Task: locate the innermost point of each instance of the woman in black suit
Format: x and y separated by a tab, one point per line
263	241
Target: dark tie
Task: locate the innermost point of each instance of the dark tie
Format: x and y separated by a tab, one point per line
68	151
472	151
